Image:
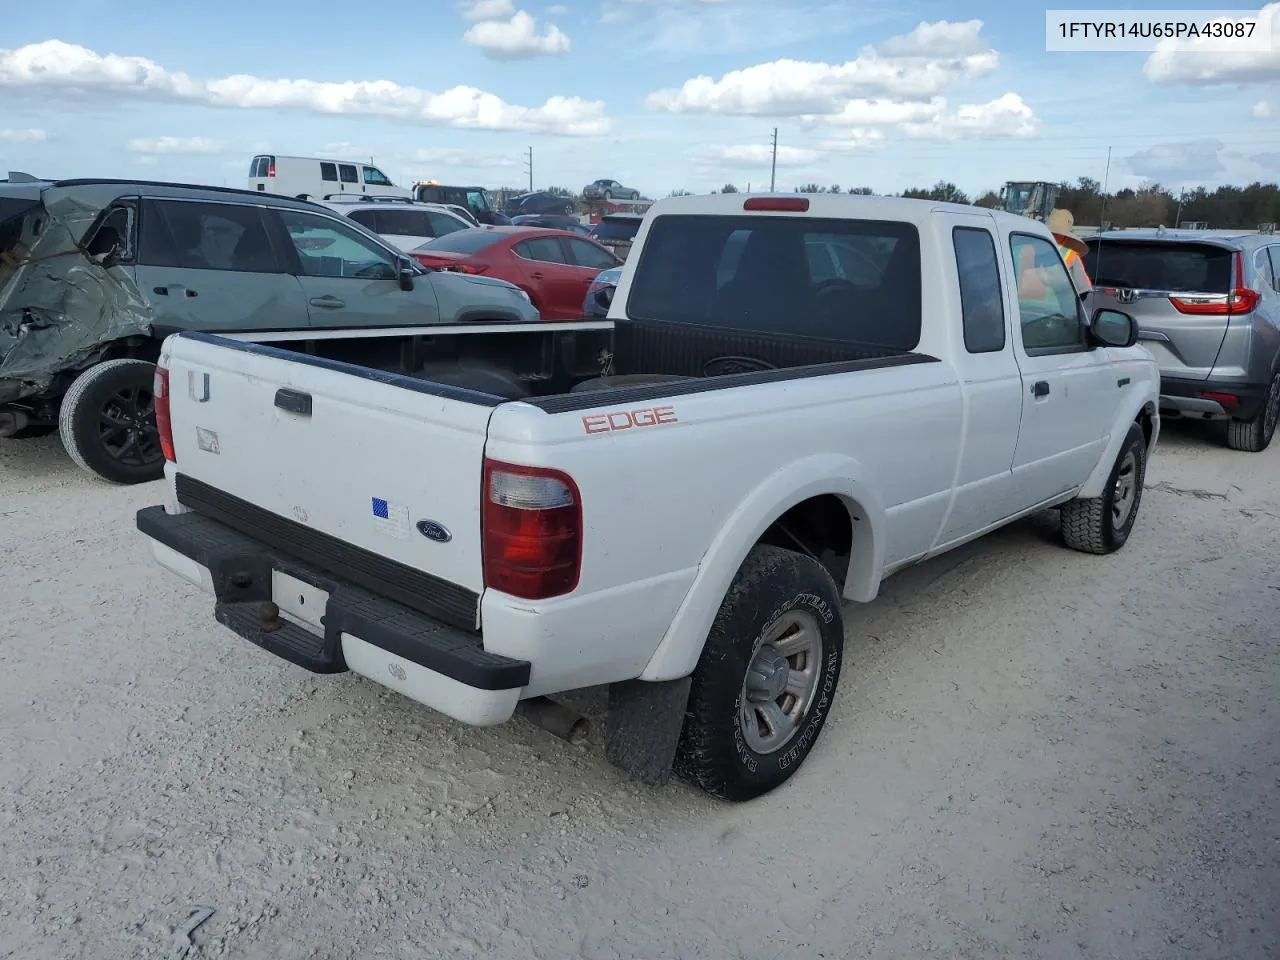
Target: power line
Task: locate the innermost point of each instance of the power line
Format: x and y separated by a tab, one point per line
773	172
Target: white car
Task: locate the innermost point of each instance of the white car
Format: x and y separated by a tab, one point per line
406	224
676	501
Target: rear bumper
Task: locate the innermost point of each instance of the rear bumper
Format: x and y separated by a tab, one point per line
1186	398
428	661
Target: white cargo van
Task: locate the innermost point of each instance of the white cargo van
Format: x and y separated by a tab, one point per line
314	178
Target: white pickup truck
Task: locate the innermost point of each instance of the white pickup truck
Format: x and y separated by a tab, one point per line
793	397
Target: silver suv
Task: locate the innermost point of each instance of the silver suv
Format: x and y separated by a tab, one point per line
1208	305
95	273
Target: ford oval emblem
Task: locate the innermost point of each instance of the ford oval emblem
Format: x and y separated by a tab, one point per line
434	531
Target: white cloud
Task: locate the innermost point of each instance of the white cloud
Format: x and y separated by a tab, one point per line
557	10
1205	61
1179	162
176	145
915	70
941	39
1007	116
449	157
854	140
863	112
517	38
1263	110
487	9
57	68
345	150
32	135
753	155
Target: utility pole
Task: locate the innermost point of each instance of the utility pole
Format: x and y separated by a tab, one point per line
528	162
773	172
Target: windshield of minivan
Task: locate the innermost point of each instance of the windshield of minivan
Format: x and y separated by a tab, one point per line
1173	267
848	280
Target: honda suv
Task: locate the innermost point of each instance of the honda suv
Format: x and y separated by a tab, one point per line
1208	305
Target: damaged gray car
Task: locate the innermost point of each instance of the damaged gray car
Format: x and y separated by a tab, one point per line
94	274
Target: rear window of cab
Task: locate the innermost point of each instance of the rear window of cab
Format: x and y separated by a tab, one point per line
855	281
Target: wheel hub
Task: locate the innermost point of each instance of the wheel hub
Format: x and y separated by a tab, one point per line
767	675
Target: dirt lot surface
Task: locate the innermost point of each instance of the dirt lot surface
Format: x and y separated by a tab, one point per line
1033	753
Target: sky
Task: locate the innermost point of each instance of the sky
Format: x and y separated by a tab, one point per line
658	94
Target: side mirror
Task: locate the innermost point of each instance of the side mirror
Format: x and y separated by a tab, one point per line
406	275
1111	328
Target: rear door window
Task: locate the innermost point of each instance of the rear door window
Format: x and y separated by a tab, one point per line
1274	251
464	241
407	223
981	294
205	236
1163	266
755	273
1262	266
542	249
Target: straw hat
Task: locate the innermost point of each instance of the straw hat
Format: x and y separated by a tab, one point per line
1062	224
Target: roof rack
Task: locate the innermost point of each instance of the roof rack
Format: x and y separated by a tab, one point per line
353	198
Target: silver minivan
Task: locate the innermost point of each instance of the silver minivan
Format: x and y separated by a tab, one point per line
1208	305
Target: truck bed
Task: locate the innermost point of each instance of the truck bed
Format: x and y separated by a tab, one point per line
493	365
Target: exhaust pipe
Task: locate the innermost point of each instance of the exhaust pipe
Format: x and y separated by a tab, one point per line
564	722
12	421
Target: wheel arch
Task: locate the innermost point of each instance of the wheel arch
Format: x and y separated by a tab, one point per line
1140	410
788	506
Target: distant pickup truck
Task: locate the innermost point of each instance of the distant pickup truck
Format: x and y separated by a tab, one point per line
791	399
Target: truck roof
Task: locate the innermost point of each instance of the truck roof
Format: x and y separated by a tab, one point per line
829	205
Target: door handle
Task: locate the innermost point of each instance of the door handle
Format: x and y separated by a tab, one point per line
536	276
165	291
328	300
1040	388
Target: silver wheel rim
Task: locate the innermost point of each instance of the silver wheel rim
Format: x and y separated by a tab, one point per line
781	682
1125	490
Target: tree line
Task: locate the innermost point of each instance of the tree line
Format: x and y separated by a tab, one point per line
1151	205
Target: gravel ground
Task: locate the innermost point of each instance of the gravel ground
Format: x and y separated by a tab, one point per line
1033	753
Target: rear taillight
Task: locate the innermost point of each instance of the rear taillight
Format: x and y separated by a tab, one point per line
787	204
271	170
1226	399
160	403
467	268
531	531
1239	301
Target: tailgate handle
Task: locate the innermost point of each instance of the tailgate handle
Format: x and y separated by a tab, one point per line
294	401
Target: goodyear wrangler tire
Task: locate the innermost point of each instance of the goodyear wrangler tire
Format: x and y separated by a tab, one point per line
766	679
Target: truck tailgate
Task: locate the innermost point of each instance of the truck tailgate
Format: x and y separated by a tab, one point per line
359	457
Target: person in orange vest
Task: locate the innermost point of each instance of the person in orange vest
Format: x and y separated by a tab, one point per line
1062	225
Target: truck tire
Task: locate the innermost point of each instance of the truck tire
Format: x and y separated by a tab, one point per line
766	679
1254	436
107	422
1102	524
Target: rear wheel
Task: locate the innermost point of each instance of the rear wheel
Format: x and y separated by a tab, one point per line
1254	435
766	679
107	422
608	194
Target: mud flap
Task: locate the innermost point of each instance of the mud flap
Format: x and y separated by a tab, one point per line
643	727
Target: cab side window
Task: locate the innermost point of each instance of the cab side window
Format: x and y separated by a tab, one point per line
114	234
1049	312
981	294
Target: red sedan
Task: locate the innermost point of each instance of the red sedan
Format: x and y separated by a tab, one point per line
554	267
